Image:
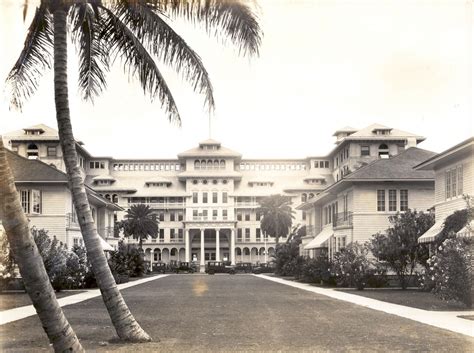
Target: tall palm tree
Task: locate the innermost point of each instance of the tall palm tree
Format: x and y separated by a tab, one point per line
140	223
30	263
277	216
133	31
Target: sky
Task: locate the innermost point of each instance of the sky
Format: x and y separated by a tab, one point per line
323	65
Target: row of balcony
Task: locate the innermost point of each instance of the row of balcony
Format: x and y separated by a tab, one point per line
171	205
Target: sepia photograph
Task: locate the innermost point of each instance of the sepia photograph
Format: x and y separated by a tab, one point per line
236	176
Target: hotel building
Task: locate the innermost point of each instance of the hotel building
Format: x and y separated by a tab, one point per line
207	198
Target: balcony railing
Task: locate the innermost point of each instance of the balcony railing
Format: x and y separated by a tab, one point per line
247	204
343	219
160	205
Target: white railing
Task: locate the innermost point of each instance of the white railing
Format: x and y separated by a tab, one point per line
160	205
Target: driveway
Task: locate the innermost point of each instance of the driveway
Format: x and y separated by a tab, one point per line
225	313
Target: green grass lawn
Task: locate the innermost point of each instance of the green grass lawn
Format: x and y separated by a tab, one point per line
15	299
410	297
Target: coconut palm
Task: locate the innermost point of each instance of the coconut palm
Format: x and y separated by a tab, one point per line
30	263
135	32
277	216
140	223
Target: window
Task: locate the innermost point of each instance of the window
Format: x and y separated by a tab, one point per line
239	234
204	197
303	197
326	164
161	216
364	150
180	216
15	147
239	216
222	164
214	197
403	200
383	151
197	164
31	201
195	214
258	234
32	151
460	180
247	234
454	182
303	215
204	214
172	217
195	197
224	197
180	235
172	235
392	200
247	216
381	200
224	215
214	214
51	151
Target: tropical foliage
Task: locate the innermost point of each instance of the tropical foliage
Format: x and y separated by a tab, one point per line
352	266
277	216
126	261
134	32
140	223
398	247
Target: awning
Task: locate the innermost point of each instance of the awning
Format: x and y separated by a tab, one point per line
323	236
467	231
105	246
431	234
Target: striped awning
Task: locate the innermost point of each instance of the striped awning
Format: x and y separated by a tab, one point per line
321	238
432	233
467	231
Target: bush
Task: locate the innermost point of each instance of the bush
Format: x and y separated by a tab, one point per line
317	270
352	266
7	266
127	261
449	274
287	260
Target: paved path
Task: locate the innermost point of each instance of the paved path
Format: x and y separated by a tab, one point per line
222	313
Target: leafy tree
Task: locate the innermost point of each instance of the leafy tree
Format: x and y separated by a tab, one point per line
288	262
277	216
140	223
126	261
352	266
317	270
133	31
399	247
30	264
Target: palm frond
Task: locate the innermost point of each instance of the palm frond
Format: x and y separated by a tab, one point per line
167	45
137	61
233	17
93	55
34	59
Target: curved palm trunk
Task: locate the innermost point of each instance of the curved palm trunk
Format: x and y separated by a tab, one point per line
125	324
32	270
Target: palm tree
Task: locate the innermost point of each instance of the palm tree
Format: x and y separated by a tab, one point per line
31	265
134	31
140	223
277	216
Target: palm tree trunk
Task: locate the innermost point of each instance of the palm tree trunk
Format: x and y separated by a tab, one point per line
125	324
31	266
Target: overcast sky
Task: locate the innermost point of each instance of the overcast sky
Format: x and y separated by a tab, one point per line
323	65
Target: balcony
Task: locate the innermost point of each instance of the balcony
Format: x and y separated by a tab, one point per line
246	204
160	205
342	220
311	230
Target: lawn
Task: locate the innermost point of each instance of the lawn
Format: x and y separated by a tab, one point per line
15	299
414	298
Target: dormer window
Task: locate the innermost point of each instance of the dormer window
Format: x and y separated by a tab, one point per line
32	151
382	131
159	185
103	182
33	131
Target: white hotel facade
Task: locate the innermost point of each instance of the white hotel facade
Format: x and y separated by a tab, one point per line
207	198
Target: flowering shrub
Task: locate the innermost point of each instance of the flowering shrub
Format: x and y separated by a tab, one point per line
352	266
317	270
448	275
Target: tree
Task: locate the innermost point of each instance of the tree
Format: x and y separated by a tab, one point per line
30	264
352	265
277	216
399	247
133	31
140	222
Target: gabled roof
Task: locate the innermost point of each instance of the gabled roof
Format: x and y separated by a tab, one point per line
32	170
395	168
369	133
345	129
464	148
202	152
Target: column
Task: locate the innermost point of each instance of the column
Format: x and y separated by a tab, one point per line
202	248
187	246
232	246
218	246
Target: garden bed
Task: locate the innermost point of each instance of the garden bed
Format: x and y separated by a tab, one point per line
16	299
414	298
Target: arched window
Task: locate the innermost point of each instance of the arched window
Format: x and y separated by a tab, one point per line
114	198
209	164
222	164
383	151
107	196
197	165
203	164
173	252
311	195
32	151
216	164
246	251
303	197
238	251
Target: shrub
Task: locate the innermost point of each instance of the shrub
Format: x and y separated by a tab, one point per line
352	266
287	259
317	270
449	273
126	261
7	266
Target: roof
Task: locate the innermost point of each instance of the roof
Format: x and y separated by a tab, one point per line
465	147
368	133
201	152
33	170
347	129
395	168
103	177
209	142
